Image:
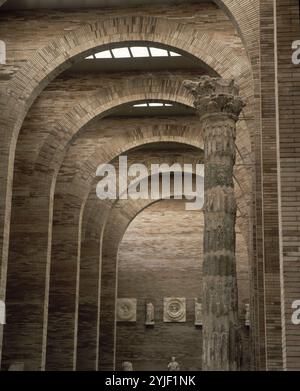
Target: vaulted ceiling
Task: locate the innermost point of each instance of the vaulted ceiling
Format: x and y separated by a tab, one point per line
60	4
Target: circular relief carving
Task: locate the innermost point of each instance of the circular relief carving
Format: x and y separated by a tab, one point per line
175	310
126	310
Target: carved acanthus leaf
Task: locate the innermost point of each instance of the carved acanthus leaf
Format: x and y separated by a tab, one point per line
215	95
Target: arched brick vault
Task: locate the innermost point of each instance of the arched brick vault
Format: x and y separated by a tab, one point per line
101	102
243	15
120	217
92	166
243	12
90	266
33	283
171	137
65	248
56	358
43	164
91	231
224	66
48	62
44	183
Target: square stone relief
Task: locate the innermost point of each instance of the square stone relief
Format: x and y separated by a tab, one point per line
126	310
174	309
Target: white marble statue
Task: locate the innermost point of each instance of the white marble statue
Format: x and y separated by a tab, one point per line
198	313
149	314
127	366
2	312
247	314
173	365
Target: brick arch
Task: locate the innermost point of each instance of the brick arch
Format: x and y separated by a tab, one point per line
240	14
120	219
94	159
60	54
92	229
245	17
90	164
72	123
172	90
51	60
84	177
101	103
68	261
41	254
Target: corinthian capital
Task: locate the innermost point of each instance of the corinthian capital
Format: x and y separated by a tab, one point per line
215	95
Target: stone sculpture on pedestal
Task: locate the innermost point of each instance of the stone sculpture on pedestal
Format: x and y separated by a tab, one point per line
127	366
198	313
149	314
247	315
2	312
173	365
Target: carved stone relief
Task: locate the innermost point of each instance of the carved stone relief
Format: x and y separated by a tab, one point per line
174	309
126	310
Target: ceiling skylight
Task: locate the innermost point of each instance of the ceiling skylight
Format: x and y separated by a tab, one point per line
121	53
140	51
155	52
153	104
104	54
133	52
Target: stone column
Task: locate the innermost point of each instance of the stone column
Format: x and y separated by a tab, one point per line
218	104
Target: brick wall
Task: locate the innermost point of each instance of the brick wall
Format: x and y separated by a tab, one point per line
288	126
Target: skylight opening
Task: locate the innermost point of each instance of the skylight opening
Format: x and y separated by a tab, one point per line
121	53
104	54
155	52
133	52
153	104
156	104
139	51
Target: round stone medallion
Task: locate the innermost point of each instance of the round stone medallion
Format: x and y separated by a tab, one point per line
174	310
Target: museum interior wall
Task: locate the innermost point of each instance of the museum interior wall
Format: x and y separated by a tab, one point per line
160	256
66	255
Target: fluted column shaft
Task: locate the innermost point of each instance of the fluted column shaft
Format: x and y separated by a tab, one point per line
219	106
